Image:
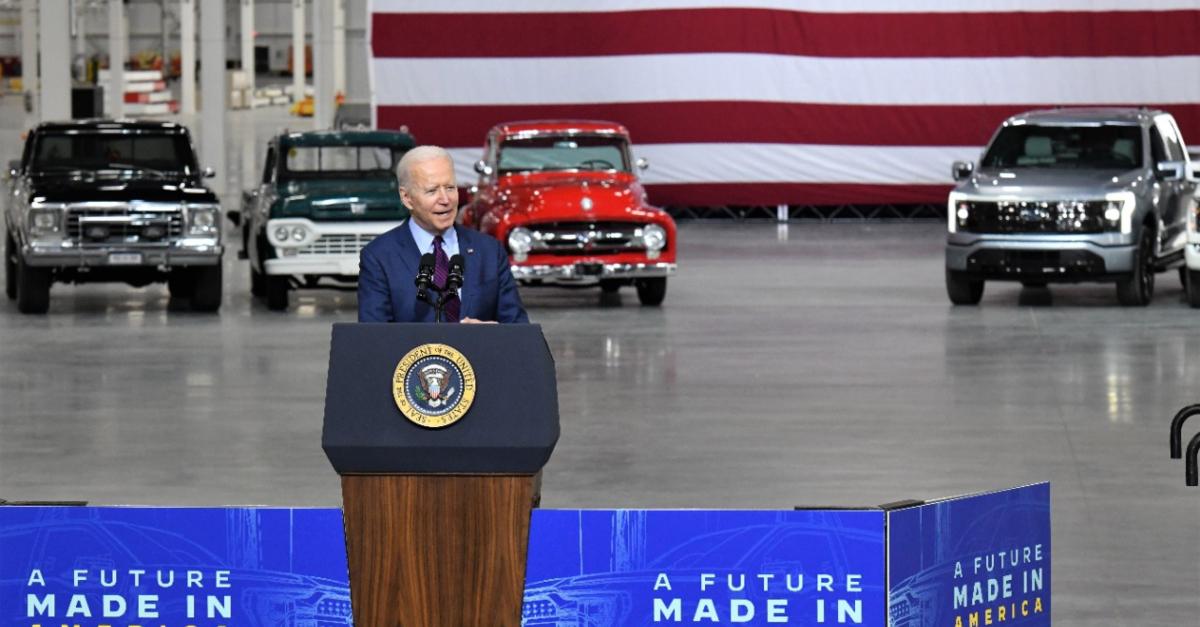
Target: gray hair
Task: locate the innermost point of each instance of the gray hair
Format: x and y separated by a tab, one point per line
418	155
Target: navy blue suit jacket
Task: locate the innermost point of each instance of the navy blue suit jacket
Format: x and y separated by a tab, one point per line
388	266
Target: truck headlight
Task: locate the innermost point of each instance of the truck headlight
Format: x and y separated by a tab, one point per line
203	221
958	211
520	242
290	233
654	237
45	221
1119	208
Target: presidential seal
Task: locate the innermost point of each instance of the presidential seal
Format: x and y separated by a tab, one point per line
434	385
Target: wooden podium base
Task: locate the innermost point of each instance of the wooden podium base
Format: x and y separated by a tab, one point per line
437	550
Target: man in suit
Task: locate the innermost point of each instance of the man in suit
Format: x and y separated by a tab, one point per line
388	265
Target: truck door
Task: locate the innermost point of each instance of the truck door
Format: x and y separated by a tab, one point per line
1165	145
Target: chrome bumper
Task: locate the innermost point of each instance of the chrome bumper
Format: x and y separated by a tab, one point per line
1191	252
584	273
72	257
323	265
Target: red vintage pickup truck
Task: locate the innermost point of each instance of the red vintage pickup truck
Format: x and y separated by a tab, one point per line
563	197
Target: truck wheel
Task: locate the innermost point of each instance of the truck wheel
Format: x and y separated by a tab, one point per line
608	286
1193	287
651	292
962	289
1183	276
277	292
1136	289
179	284
206	288
33	289
10	267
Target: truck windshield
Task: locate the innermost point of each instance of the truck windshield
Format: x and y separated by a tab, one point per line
339	161
1105	147
112	151
575	152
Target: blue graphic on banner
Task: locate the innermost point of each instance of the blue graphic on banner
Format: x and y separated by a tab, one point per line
115	566
644	567
977	560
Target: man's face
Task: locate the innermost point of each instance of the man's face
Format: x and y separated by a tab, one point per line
431	194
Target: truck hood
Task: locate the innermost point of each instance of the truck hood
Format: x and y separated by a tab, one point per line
1053	183
75	189
367	199
565	196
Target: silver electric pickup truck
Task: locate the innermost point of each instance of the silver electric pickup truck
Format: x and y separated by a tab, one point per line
1071	195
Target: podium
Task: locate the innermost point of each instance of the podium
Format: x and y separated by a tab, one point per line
437	432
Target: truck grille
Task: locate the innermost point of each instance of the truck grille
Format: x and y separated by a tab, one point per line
1029	216
568	238
123	225
337	244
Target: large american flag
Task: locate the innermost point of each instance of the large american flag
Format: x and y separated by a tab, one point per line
762	102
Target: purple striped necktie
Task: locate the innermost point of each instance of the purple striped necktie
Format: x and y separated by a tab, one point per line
441	271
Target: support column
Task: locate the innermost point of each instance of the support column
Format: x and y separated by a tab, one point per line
118	51
323	103
54	44
339	47
248	43
212	85
29	55
298	50
79	21
187	56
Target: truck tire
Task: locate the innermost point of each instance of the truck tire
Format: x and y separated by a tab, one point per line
962	289
1193	287
10	267
1136	289
179	284
33	289
277	292
651	292
608	286
206	288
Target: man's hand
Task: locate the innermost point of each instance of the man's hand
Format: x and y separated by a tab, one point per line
476	321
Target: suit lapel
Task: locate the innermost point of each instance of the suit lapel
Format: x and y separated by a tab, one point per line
471	274
410	257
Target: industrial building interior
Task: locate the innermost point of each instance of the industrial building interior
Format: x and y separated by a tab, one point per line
792	363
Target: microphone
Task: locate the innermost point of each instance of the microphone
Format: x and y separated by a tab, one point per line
424	276
454	279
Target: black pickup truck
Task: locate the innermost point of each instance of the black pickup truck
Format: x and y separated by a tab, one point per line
111	201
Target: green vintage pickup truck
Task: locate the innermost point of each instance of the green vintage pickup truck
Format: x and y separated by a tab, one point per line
322	197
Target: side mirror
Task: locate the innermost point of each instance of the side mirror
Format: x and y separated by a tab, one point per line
14	168
208	173
642	164
962	170
1169	171
234	216
483	168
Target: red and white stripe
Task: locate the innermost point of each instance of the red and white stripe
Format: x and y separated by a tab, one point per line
778	101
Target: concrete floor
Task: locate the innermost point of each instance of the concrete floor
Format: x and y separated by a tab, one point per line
816	364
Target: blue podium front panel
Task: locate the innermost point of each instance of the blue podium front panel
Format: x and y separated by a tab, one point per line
973	561
656	567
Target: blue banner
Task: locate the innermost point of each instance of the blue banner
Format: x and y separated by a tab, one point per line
117	566
972	561
639	567
981	560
